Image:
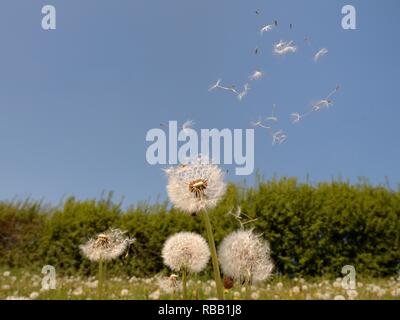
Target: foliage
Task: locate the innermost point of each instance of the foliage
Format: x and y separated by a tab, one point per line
313	230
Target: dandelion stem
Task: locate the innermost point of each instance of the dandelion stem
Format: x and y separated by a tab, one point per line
184	284
100	280
214	257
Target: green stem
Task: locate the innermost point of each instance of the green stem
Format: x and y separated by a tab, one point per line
214	257
184	285
100	280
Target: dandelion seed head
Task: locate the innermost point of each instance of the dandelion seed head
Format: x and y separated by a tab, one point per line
169	284
106	246
186	251
244	256
196	186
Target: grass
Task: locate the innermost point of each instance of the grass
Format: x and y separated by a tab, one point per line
17	284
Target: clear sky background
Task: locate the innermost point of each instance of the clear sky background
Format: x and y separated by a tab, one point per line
76	103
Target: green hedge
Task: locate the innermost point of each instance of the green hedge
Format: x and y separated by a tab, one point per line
313	230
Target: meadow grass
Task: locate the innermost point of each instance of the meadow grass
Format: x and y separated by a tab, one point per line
21	284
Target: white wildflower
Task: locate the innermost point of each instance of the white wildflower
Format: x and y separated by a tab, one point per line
244	256
34	295
155	295
195	186
107	246
186	251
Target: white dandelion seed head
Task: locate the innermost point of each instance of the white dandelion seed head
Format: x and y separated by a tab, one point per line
186	251
170	284
195	186
244	256
106	246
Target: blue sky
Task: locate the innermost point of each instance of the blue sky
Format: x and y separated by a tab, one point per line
76	102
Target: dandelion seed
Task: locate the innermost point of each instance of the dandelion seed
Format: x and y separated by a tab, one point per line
324	103
215	85
197	186
282	48
322	52
295	117
256	50
242	94
189	124
186	251
244	256
256	75
278	137
266	28
106	246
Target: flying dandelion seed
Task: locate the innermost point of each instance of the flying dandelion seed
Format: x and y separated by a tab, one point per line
107	246
215	85
189	124
186	251
197	186
296	117
266	28
322	52
241	217
282	48
272	117
243	93
256	75
324	103
245	257
256	50
278	137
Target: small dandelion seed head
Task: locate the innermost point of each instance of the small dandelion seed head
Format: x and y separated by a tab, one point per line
244	256
106	246
186	251
196	186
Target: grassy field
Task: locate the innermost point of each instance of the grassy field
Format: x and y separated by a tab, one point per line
18	284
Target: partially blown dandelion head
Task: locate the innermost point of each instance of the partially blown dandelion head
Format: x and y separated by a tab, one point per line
106	246
195	186
244	256
186	251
